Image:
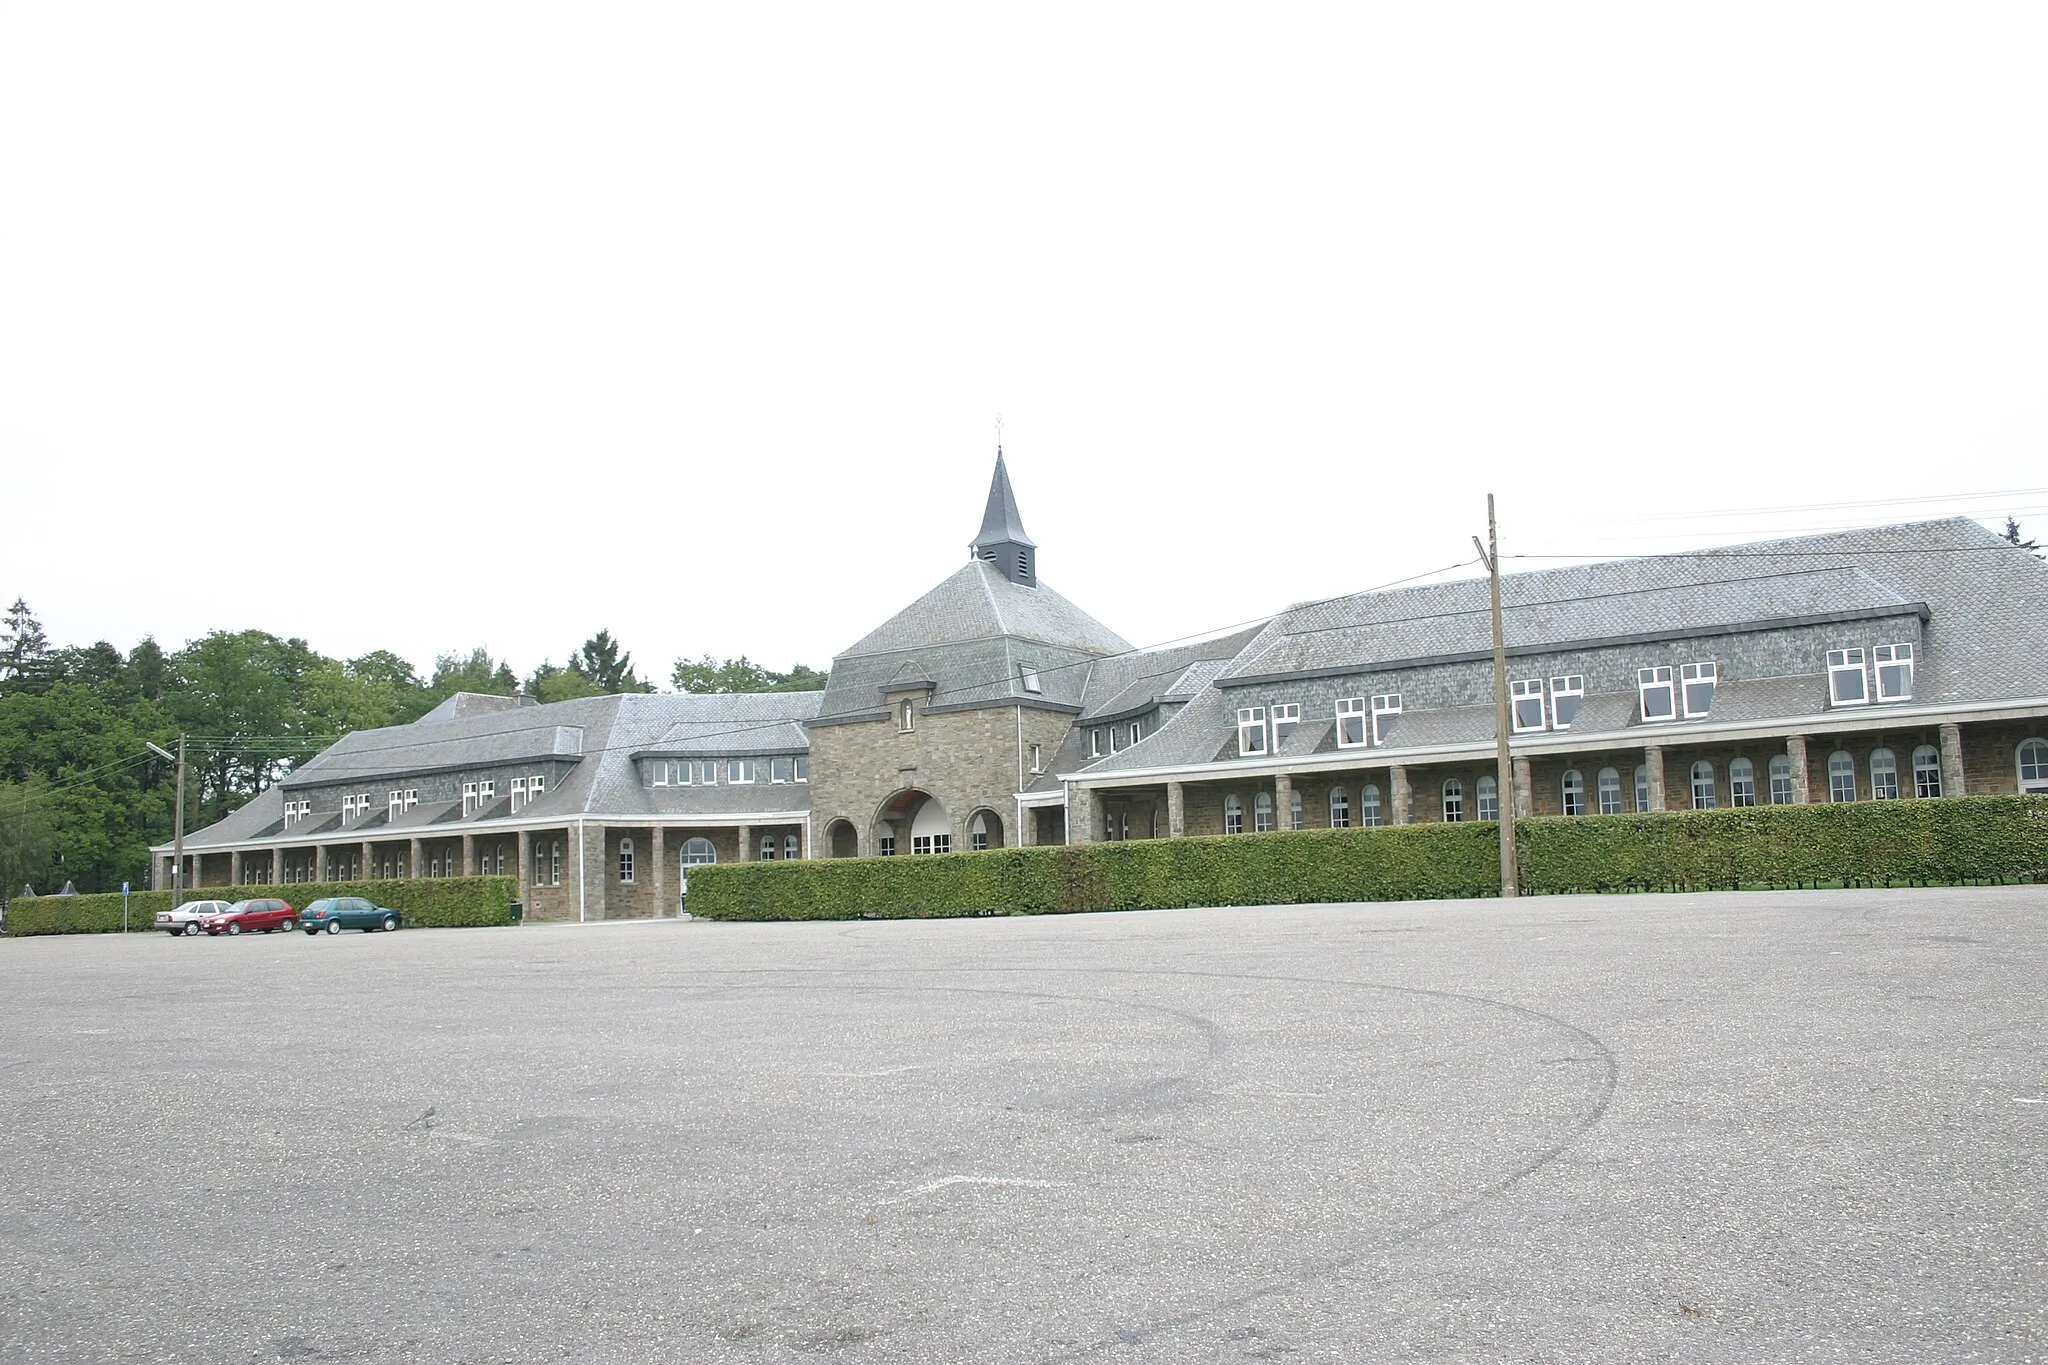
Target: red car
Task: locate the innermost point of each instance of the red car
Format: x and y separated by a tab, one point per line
262	915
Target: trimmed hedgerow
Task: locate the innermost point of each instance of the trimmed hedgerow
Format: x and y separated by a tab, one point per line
1412	862
428	903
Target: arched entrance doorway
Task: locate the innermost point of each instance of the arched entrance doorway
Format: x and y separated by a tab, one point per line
984	830
842	839
913	821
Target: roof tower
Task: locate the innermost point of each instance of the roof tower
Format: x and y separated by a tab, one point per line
1002	541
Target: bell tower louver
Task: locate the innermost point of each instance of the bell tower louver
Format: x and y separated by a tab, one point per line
1002	542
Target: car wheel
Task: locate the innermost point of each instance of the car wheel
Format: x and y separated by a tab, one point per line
191	927
233	929
390	923
334	926
310	931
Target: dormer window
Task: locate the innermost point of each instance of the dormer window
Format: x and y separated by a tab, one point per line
1654	690
1525	702
801	768
1095	743
1286	715
1386	709
469	798
1028	676
1351	723
1846	684
486	793
1137	732
1894	672
296	811
1251	730
536	787
1565	695
657	777
1698	681
394	805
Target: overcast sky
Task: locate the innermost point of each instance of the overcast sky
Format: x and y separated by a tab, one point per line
428	326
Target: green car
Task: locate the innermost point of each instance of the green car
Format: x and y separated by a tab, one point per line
336	913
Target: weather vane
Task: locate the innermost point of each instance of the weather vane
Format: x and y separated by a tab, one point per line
999	433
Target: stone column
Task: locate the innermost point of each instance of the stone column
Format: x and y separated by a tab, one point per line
658	850
415	864
369	866
1081	815
469	855
596	874
1283	801
320	868
277	866
1403	795
1952	760
1027	827
1795	753
1176	811
1653	759
525	870
234	867
1525	789
746	854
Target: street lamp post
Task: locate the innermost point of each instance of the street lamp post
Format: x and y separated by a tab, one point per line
177	821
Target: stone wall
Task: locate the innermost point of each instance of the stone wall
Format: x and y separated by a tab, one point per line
966	760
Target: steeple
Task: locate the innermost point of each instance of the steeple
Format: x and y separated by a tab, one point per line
1002	541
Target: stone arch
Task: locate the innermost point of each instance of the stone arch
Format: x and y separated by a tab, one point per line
984	829
842	839
913	814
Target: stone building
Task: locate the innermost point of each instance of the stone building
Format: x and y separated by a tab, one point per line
1898	662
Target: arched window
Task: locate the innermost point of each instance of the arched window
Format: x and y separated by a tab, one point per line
1841	776
790	846
2033	756
1340	808
1262	812
1369	804
1608	786
1454	801
1294	820
1742	783
1703	785
1489	799
1884	775
1642	789
767	848
1927	771
1574	792
1233	815
1781	780
903	714
626	862
699	851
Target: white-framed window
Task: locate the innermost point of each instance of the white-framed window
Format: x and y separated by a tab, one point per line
1653	686
1841	775
1525	704
2033	765
1386	709
1488	794
1369	805
486	793
1233	815
768	848
1607	788
1095	743
1286	715
1251	730
977	834
682	773
1642	790
469	798
1697	681
1780	770
1566	694
1037	759
699	851
905	715
395	805
1340	808
739	771
790	847
625	862
1846	684
547	862
885	845
1884	775
658	768
348	807
931	843
1351	723
1894	671
707	774
1028	675
778	770
1926	771
519	789
1137	731
295	811
1703	786
1741	783
1262	813
1454	800
1574	792
800	768
1294	818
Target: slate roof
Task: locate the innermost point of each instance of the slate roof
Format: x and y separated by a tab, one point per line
1142	678
1000	522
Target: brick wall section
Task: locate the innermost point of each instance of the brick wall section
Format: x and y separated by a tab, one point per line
1991	755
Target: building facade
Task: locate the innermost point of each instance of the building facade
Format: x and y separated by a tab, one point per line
1894	663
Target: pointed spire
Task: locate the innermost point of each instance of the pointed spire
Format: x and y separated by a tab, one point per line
1002	541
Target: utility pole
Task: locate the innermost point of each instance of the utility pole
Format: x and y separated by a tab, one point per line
177	821
1489	553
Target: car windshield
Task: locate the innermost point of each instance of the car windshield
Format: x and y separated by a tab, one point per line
317	906
247	905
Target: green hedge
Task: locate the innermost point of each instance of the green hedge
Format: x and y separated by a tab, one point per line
429	903
1413	862
1964	839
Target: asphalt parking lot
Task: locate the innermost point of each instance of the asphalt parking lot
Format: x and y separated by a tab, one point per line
1700	1128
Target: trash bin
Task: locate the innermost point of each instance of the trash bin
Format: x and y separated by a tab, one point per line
518	911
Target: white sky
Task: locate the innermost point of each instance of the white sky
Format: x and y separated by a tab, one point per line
421	327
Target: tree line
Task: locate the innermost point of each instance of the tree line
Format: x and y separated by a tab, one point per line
82	800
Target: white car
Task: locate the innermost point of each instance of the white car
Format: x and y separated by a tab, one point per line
185	919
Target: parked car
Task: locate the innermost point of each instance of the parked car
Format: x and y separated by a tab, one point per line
262	915
186	918
336	913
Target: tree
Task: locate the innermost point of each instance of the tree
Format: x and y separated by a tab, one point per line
473	672
242	693
711	674
28	845
601	662
24	649
560	684
149	672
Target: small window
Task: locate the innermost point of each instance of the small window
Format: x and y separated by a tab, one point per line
1780	769
977	834
1703	786
904	714
800	768
1233	815
1525	701
1574	792
1262	813
1642	790
536	786
1742	783
696	852
1286	716
886	845
1369	805
680	773
2033	757
518	793
768	848
1607	787
1653	685
468	798
707	774
1386	710
1137	732
1894	671
1351	732
1841	775
1037	759
1884	775
1489	799
1294	818
1846	683
790	847
1454	801
1566	693
1926	771
658	771
1029	677
396	804
1095	743
626	862
486	792
778	770
1251	730
1698	681
740	771
1340	808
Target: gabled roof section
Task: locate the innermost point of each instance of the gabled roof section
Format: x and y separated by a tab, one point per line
1142	678
1000	523
467	705
977	603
